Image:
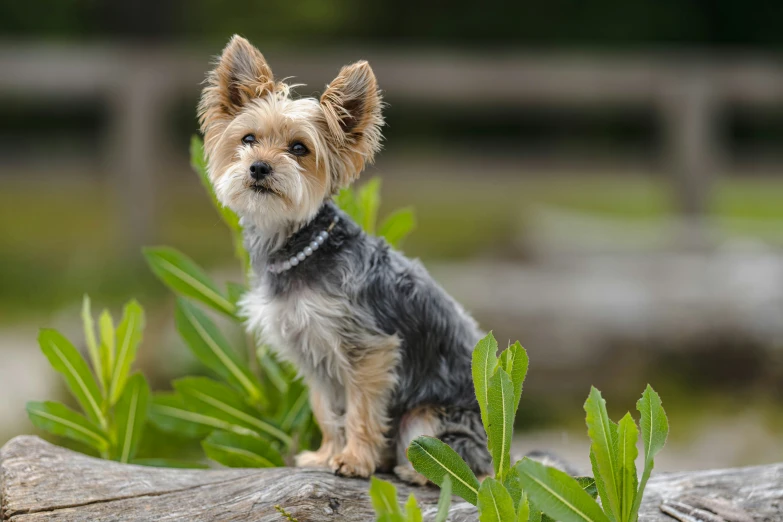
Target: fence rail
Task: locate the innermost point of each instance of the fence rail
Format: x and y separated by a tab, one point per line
138	84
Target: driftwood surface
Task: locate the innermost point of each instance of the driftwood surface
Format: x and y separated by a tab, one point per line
40	481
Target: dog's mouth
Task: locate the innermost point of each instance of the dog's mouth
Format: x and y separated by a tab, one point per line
262	189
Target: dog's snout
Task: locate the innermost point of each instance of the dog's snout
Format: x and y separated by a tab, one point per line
259	170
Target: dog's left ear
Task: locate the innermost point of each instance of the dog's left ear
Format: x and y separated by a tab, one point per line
352	107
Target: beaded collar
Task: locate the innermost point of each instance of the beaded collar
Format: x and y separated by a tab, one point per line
315	244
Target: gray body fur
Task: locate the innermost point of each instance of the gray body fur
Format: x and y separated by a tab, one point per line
352	294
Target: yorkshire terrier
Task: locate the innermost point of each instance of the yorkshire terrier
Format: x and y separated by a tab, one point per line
385	351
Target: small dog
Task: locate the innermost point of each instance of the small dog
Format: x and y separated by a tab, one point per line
385	351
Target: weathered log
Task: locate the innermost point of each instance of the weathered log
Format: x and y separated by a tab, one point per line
39	481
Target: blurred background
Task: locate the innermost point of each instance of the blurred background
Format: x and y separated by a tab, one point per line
600	180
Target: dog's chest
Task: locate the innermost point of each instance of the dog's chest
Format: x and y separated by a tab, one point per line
303	326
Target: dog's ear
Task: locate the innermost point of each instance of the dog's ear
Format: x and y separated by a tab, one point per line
352	108
241	74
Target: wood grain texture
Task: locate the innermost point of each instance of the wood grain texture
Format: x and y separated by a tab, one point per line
39	481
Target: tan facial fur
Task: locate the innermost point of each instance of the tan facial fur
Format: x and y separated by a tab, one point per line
341	132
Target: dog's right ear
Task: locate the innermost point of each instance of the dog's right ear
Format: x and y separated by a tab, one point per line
241	74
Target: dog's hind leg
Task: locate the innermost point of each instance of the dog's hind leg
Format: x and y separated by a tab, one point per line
461	429
464	432
415	423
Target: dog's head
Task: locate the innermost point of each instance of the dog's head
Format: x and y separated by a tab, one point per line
275	158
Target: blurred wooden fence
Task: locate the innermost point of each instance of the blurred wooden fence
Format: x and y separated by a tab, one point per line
138	85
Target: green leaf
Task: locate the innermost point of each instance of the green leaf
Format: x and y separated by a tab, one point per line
444	500
397	226
92	343
412	511
383	496
603	434
513	485
435	460
653	422
217	400
66	359
600	487
523	509
169	413
240	451
557	494
107	347
183	276
58	419
515	361
369	199
346	200
169	463
588	484
535	514
501	409
296	408
654	431
198	161
483	366
235	292
391	517
627	435
130	416
273	372
211	348
494	502
128	338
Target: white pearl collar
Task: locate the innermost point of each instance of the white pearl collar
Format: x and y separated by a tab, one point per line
303	254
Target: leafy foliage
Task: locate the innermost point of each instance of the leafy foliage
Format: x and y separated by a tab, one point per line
383	496
363	204
494	502
242	416
437	461
613	451
498	385
114	404
241	451
186	278
528	490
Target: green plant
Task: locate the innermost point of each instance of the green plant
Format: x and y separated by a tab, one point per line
613	456
254	413
383	495
528	490
113	402
363	205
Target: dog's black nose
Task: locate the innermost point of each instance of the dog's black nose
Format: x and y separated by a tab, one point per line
259	170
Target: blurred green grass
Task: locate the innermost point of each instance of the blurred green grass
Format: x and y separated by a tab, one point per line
61	241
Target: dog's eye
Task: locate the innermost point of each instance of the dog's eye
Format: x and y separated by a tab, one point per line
249	139
298	149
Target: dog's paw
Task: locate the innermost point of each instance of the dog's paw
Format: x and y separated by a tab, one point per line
406	473
348	464
312	459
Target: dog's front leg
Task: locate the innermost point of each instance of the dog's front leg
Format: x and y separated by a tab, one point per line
331	436
368	388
